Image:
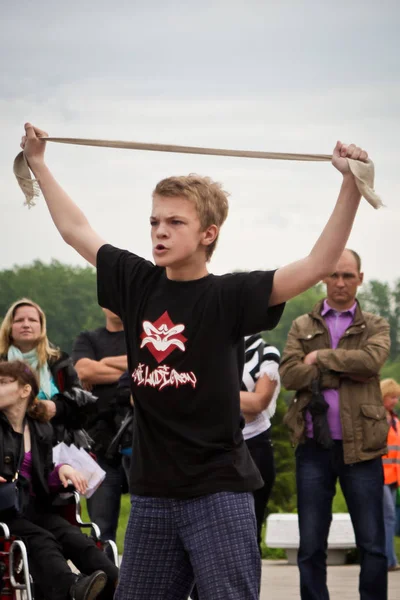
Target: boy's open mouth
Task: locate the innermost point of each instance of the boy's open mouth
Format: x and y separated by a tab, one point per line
160	250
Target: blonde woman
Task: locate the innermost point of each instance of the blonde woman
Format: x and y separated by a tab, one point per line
391	466
23	336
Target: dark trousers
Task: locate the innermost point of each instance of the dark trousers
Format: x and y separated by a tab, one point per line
317	471
51	541
105	504
262	452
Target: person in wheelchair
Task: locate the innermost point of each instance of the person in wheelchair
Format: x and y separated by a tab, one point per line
26	460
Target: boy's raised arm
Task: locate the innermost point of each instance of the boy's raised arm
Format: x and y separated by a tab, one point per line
67	216
291	280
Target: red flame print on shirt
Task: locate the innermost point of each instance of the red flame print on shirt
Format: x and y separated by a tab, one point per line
162	337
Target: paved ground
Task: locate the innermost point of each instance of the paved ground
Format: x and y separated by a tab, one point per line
280	581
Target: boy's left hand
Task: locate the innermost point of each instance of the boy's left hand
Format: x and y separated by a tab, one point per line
343	151
68	474
33	144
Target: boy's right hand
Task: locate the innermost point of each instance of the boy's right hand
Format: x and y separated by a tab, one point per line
33	145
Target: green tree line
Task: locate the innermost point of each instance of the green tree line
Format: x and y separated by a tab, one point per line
67	294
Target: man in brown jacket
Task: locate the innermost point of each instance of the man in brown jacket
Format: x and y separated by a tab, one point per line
332	359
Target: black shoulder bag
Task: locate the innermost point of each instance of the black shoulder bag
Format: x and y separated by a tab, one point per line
10	500
318	408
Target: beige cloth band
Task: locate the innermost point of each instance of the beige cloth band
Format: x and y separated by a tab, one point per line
363	172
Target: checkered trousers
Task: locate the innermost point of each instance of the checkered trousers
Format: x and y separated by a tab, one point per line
170	543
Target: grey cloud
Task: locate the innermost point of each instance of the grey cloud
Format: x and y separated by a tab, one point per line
206	48
290	76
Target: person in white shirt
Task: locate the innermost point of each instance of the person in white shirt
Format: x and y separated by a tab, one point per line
260	390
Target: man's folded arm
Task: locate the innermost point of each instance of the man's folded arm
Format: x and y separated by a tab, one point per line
295	375
365	362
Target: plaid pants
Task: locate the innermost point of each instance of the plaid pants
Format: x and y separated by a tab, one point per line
170	543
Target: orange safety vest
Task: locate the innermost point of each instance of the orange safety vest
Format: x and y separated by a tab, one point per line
391	460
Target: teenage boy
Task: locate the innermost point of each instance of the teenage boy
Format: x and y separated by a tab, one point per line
192	476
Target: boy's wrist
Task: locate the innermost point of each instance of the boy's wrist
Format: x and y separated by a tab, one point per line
348	176
37	166
349	184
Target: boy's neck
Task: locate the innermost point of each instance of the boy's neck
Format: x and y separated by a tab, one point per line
187	272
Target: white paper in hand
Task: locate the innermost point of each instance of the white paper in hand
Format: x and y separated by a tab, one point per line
81	461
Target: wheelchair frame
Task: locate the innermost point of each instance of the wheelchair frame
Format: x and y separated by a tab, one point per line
14	549
15	562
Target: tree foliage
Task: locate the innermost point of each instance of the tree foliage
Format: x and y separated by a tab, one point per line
283	497
382	299
67	295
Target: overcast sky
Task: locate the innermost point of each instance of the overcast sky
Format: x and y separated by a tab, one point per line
290	76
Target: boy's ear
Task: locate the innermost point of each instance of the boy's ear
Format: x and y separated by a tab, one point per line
210	235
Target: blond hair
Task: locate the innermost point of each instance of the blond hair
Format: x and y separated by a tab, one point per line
43	347
210	200
390	387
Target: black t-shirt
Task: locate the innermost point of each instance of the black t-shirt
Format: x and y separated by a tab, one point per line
182	345
95	345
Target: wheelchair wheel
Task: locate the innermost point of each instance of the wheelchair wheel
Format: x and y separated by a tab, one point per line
20	578
111	551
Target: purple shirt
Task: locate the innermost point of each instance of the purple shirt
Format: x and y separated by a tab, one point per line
26	471
337	323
